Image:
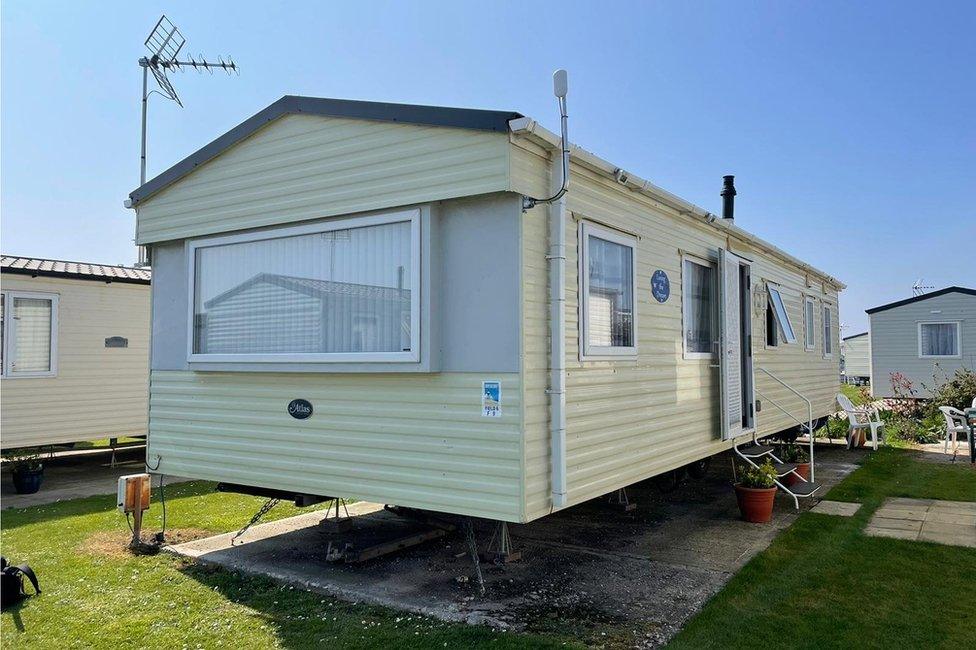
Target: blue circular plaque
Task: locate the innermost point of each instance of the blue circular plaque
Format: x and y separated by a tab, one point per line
660	286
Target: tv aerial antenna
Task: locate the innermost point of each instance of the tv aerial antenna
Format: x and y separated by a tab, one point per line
918	288
165	43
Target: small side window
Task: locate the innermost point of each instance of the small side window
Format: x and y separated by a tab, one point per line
828	345
607	275
809	327
699	297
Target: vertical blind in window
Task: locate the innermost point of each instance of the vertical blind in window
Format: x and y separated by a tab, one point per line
610	301
700	292
329	292
31	345
828	343
939	339
809	326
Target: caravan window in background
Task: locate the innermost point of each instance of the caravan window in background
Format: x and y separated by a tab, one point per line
700	308
809	327
342	290
780	314
939	339
607	273
29	334
828	345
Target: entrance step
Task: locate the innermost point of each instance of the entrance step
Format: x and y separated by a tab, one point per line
804	488
782	469
754	451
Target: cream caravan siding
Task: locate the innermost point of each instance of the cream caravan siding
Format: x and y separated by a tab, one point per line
417	441
629	420
98	392
303	167
857	356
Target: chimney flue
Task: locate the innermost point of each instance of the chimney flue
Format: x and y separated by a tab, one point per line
728	197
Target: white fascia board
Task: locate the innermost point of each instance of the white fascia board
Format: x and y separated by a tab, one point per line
527	127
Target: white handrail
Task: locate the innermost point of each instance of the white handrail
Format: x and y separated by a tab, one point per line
809	412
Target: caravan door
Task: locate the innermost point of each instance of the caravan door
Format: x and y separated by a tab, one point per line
735	345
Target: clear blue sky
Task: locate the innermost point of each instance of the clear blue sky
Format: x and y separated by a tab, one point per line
849	126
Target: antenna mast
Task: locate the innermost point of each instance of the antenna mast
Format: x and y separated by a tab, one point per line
164	44
918	288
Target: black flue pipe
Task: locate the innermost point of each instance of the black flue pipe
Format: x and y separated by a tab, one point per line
728	197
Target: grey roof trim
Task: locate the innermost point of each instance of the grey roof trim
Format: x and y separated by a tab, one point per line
924	296
462	118
854	336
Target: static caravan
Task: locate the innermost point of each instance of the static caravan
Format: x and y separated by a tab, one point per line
922	340
75	351
359	299
856	353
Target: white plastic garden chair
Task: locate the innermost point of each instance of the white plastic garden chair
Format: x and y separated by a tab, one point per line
860	417
955	424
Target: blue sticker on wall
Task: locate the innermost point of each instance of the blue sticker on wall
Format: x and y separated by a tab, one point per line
660	286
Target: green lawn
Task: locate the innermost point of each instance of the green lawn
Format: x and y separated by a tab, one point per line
822	583
96	595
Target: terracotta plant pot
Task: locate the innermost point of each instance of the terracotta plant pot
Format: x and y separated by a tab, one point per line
803	469
756	504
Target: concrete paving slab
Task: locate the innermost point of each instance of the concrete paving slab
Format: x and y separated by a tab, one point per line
891	532
951	517
73	476
917	514
587	567
836	508
896	524
929	520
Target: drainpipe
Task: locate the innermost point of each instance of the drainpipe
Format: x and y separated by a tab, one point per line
556	257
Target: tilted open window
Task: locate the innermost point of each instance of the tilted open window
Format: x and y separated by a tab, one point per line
345	290
779	316
607	280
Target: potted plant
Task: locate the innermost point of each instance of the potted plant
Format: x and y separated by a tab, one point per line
27	470
795	454
755	492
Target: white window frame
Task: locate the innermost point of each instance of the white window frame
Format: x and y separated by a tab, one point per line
9	334
958	325
828	331
343	223
686	304
773	294
809	324
603	352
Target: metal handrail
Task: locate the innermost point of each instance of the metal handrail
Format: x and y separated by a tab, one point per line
809	424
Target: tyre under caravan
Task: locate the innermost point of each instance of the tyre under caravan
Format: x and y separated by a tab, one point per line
353	299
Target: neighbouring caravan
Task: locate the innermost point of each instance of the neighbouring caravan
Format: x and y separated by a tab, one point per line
918	342
75	351
359	299
856	358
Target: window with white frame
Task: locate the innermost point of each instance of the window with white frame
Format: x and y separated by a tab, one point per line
939	339
809	326
607	278
344	290
28	334
828	344
778	318
699	299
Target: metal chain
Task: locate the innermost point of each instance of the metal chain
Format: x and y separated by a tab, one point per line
262	511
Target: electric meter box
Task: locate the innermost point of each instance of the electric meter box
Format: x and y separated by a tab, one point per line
133	493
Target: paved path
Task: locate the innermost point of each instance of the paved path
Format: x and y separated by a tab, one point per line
926	520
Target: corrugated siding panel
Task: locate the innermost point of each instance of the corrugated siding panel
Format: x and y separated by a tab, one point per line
99	392
626	420
306	167
416	441
894	343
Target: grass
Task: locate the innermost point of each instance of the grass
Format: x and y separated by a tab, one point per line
858	395
822	583
96	595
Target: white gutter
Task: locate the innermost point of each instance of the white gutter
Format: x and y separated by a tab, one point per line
525	126
556	258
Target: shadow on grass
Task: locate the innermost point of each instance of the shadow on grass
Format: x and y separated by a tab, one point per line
17	517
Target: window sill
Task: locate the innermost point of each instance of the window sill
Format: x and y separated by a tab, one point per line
317	359
940	356
29	375
699	356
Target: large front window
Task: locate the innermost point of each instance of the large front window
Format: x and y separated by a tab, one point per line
344	290
607	273
939	339
700	308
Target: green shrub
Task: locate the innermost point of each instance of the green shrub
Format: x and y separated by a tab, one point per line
760	477
794	454
835	428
